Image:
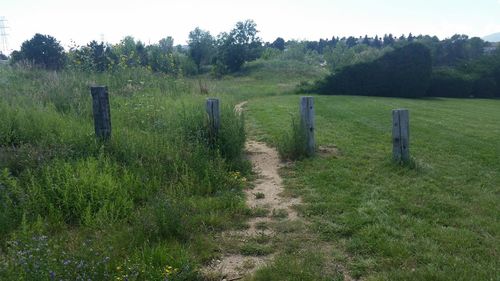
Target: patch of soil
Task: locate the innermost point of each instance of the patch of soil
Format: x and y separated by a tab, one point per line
267	194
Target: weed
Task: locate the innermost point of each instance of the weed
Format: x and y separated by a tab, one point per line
259	195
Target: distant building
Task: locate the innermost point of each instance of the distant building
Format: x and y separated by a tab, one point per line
490	49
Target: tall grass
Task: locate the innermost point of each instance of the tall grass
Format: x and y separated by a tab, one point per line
156	186
292	145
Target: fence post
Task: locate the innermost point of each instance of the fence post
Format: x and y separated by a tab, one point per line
101	111
401	135
213	112
307	122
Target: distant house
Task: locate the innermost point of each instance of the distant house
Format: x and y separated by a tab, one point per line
490	49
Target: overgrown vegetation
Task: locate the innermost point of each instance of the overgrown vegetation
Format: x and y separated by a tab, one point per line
73	208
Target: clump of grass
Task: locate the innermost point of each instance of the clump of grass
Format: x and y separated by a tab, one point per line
279	213
262	225
260	212
292	145
255	249
259	195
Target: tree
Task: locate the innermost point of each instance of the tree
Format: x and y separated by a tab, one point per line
43	51
410	37
366	41
377	43
3	57
238	46
351	42
167	45
389	40
201	47
279	44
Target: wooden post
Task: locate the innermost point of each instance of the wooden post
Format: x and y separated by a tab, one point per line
307	122
102	113
401	135
213	112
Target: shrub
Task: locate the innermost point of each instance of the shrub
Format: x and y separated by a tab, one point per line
448	82
404	72
485	88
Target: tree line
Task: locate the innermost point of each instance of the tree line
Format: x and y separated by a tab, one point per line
458	66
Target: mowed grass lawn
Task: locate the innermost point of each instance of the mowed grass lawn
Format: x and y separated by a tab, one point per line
437	220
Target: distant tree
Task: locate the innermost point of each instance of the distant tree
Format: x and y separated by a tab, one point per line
3	57
333	42
167	45
475	47
43	51
366	40
142	55
410	37
279	44
377	43
388	40
402	38
201	46
351	42
240	45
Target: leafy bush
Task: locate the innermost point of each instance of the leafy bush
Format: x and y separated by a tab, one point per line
405	72
450	83
485	88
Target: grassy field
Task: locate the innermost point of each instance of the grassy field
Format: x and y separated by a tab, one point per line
436	220
150	204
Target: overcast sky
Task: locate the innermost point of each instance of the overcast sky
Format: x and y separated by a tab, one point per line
151	20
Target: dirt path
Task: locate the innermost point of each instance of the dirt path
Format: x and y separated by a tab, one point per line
266	196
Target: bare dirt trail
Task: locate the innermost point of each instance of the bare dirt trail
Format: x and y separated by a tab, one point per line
268	198
267	195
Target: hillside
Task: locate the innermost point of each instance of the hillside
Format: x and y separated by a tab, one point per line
495	37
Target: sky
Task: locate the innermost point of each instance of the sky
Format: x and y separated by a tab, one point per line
78	22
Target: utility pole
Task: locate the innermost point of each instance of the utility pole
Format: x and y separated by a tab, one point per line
4	46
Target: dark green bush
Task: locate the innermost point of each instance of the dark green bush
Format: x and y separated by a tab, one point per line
449	82
405	72
485	88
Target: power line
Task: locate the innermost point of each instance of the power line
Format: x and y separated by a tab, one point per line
4	45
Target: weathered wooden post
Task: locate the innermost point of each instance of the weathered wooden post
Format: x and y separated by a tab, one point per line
101	111
401	135
307	123
213	113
